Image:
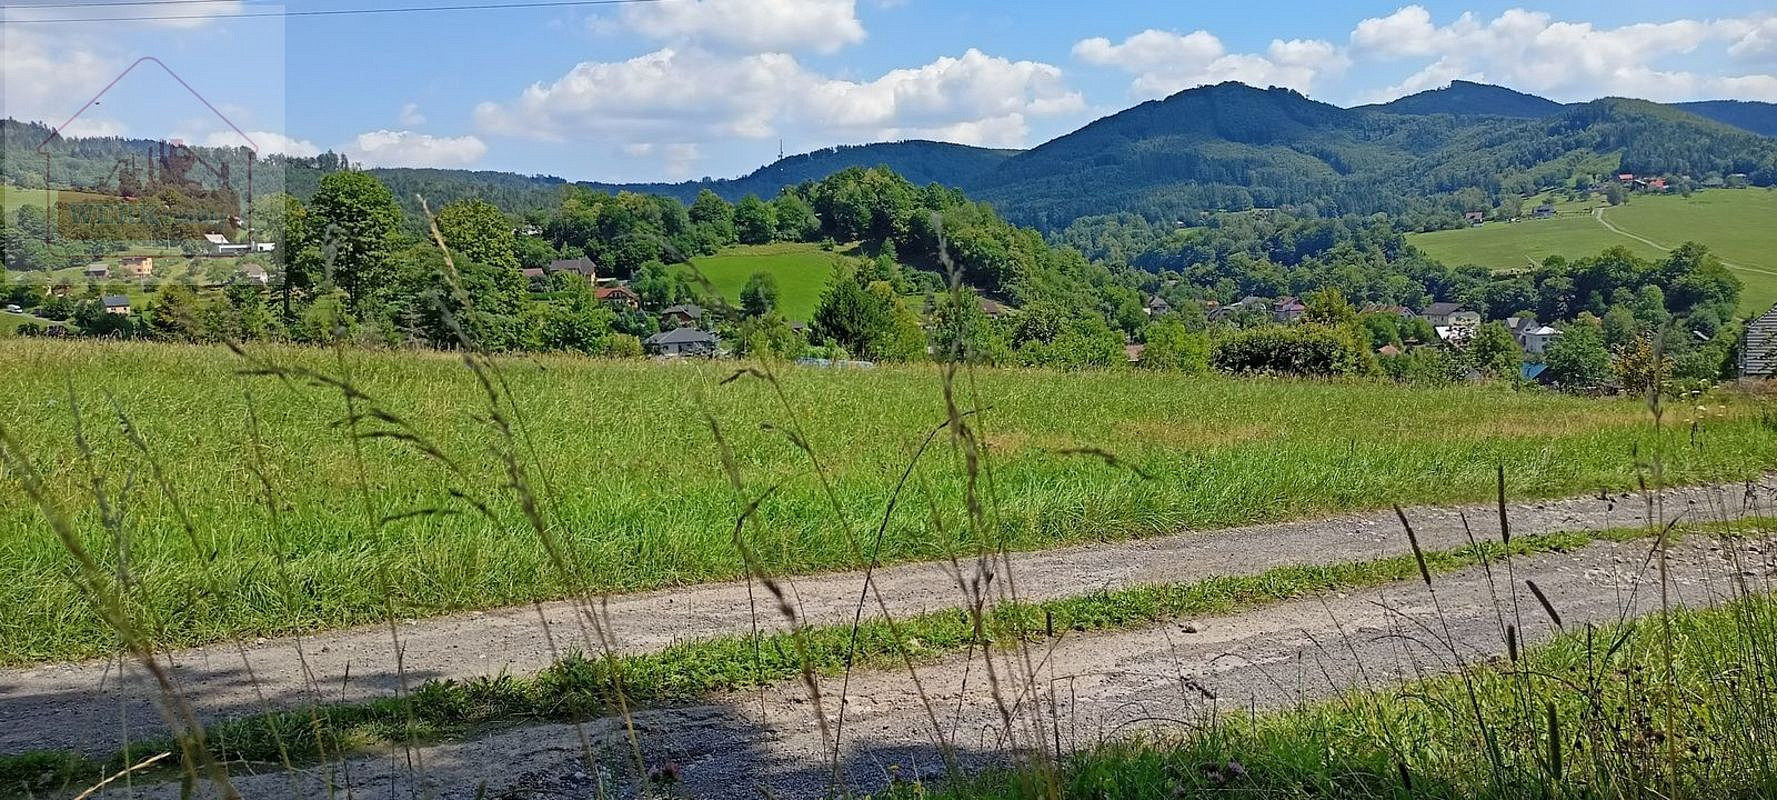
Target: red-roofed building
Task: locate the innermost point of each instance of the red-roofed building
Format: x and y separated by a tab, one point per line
618	296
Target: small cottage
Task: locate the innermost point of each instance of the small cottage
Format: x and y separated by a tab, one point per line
681	342
136	266
685	316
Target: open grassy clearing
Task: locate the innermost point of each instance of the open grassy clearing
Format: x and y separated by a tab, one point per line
1517	245
13	198
801	271
634	485
1736	224
10	322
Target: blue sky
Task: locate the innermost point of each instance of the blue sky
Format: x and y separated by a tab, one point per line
680	89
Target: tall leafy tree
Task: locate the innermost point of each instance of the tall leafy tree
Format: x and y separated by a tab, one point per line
1578	358
754	221
795	218
714	218
759	297
355	223
479	232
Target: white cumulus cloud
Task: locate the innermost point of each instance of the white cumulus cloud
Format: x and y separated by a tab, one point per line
750	26
386	148
268	142
1533	51
1164	62
696	95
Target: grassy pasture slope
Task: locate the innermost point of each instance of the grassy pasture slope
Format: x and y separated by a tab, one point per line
1737	225
639	491
801	271
9	323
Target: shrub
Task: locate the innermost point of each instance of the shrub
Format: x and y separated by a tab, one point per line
1306	350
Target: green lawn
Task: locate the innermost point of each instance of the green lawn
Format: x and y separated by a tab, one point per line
1737	225
9	323
14	197
801	271
637	488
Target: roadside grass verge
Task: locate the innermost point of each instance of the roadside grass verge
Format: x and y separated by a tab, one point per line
580	687
1679	704
638	498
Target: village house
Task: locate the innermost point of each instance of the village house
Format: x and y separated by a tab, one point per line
620	296
1157	305
680	342
1450	315
1545	211
1392	310
1536	341
252	273
136	266
1517	326
116	304
99	271
578	266
1475	217
220	246
1249	302
684	316
1289	309
1758	351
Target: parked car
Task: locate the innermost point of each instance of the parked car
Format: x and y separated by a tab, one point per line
13	308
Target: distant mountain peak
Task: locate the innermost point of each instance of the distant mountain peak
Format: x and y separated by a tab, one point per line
1469	98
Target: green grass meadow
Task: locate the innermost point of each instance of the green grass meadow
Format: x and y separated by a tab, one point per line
1736	224
632	481
10	322
801	271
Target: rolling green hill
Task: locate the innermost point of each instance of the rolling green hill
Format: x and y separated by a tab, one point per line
1735	224
1760	118
1229	147
801	271
1233	147
1466	98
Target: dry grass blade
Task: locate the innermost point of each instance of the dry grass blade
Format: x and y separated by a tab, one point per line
137	767
1110	459
1413	540
1543	600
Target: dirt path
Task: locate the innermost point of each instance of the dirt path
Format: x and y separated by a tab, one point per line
1598	214
90	707
1086	688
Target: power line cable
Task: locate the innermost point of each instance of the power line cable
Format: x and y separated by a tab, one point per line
114	3
331	12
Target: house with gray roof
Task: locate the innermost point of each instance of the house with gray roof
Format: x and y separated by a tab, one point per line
681	342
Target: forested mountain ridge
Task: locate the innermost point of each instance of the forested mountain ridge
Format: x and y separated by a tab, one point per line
919	161
1759	118
1228	147
1232	147
1467	98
